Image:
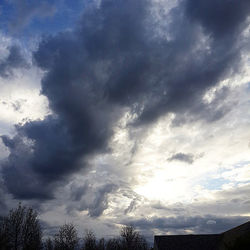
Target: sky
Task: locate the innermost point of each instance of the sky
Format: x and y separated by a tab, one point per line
124	112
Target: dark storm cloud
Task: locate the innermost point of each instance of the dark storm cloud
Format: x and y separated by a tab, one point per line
25	10
45	152
198	224
91	199
188	158
117	57
222	18
14	60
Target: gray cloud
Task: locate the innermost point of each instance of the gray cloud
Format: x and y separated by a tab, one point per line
188	158
17	105
131	207
78	192
91	199
210	13
231	201
116	58
197	224
14	60
100	202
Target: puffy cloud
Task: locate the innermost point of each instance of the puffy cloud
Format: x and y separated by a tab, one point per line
131	207
188	158
182	225
13	61
210	14
92	199
117	59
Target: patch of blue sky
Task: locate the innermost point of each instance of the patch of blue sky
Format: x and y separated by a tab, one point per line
49	25
241	164
67	13
237	165
66	16
6	12
214	183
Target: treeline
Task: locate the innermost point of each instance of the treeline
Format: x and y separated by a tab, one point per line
21	230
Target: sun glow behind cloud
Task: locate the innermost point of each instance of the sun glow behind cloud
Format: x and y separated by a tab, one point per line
159	179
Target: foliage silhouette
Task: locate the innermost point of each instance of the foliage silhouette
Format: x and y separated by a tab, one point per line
67	238
21	230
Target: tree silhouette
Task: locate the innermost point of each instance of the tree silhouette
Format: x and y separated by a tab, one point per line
67	238
113	244
3	237
21	229
132	240
101	244
89	241
48	244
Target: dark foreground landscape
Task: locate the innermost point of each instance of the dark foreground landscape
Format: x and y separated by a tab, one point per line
21	230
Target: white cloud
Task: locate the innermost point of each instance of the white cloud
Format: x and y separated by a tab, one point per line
20	98
217	182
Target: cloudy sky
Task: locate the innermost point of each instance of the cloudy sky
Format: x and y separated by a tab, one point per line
117	112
